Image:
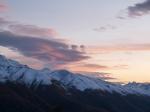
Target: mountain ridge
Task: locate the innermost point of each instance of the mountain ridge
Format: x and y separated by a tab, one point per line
23	89
13	71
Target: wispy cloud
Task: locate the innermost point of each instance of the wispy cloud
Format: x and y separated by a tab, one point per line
86	67
119	48
105	28
32	30
99	75
120	67
94	66
27	29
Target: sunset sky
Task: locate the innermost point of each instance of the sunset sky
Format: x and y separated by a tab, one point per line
95	36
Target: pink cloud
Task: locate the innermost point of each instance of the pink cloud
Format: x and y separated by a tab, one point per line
39	43
83	66
28	30
3	7
101	75
49	51
32	30
119	48
120	67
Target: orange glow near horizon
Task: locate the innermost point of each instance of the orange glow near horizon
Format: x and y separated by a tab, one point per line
125	67
91	36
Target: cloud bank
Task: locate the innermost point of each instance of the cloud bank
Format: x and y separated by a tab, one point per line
46	50
139	9
39	43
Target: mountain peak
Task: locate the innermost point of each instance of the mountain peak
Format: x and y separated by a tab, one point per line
8	62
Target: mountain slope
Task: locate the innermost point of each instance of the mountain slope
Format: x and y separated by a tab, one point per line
16	97
23	89
13	71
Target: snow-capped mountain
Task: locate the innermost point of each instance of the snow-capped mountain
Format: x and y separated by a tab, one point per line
13	71
23	89
143	88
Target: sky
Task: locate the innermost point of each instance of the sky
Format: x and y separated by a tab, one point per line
106	38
